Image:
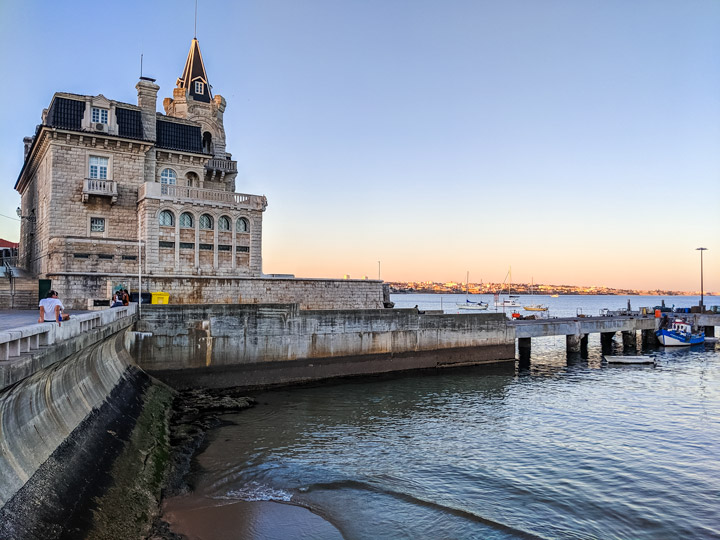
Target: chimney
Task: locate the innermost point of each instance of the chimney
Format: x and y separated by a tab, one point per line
147	101
27	141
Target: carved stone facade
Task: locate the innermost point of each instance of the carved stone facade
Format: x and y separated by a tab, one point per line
100	175
102	178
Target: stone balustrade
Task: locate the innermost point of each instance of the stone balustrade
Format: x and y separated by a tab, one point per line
226	166
155	190
99	188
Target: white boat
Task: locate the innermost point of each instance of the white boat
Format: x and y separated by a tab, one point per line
513	300
637	359
469	304
678	333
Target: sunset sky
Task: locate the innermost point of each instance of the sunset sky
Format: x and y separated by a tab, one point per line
576	141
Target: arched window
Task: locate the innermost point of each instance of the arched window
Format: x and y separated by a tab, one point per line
192	179
168	176
207	143
186	220
206	221
166	218
242	225
224	223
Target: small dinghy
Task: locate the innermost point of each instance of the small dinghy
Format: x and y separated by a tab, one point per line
639	359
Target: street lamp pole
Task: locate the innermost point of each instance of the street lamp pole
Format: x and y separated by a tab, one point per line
702	305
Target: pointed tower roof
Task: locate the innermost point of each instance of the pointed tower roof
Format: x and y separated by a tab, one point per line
194	78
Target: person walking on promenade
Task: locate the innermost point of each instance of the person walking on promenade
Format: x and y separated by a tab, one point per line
51	309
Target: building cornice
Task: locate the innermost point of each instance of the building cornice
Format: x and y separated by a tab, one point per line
43	132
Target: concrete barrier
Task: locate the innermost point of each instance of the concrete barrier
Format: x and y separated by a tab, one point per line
23	351
269	344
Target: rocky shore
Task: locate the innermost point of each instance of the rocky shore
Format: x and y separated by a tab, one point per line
156	459
194	413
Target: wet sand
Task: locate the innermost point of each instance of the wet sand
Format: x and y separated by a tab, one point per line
208	519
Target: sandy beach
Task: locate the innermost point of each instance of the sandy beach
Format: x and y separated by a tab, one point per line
199	518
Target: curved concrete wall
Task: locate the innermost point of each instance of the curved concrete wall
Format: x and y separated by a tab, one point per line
39	413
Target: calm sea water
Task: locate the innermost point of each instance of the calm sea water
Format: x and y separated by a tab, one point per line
562	448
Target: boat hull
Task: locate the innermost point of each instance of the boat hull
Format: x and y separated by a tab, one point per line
475	307
535	308
670	338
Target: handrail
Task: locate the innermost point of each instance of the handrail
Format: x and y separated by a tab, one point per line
16	341
226	165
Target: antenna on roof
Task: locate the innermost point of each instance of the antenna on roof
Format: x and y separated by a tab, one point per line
141	59
195	33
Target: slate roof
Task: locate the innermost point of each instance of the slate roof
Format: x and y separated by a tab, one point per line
66	113
129	123
179	136
195	71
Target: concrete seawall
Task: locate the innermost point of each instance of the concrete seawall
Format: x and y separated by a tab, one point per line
262	345
61	430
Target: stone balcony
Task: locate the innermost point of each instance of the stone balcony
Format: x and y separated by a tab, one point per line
194	195
220	167
99	188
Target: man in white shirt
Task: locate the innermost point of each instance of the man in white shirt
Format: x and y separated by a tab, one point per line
51	309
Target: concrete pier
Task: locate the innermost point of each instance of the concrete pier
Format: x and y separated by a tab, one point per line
572	343
606	340
648	337
629	340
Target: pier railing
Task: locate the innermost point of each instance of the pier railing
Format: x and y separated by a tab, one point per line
16	342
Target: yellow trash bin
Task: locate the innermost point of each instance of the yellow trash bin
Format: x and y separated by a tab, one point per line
160	298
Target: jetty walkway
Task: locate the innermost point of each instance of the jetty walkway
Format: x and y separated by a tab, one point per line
576	329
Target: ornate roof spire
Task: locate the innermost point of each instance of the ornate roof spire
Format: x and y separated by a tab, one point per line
194	78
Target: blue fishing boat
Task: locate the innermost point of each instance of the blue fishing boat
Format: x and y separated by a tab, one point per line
678	333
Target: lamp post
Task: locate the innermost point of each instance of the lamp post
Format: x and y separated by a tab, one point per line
701	249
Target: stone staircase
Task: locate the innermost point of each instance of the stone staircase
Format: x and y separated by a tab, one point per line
18	292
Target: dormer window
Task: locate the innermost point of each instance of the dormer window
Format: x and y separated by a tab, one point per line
199	87
99	116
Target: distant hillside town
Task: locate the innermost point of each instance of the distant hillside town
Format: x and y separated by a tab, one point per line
399	287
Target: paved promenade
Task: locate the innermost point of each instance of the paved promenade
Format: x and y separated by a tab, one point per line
17	318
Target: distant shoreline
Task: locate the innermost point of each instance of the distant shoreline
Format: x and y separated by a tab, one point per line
549	292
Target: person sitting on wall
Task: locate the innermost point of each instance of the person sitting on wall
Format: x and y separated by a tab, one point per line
51	309
125	297
117	299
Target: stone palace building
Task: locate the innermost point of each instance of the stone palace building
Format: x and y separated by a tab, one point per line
102	177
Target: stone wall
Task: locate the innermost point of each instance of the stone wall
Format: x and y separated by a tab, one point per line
264	345
76	290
